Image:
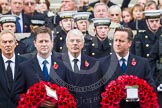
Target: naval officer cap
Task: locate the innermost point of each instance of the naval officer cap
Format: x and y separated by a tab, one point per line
81	16
66	14
37	20
7	19
101	21
151	14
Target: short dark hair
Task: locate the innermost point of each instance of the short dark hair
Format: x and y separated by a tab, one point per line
46	2
42	29
127	30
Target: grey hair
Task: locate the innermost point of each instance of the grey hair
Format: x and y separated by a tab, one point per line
114	7
98	4
75	32
7	31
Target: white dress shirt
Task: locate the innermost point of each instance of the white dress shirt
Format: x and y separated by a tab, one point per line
72	62
126	59
12	64
40	60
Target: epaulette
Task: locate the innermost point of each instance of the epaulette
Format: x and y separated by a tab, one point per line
141	31
50	14
90	9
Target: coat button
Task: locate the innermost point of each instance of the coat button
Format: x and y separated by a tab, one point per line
147	45
93	54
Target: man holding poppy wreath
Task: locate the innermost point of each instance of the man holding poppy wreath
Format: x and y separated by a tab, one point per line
125	63
43	66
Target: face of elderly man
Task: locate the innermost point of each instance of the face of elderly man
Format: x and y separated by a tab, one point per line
7	44
68	5
16	6
75	43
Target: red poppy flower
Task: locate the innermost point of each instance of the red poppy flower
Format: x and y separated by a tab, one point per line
133	62
55	65
86	63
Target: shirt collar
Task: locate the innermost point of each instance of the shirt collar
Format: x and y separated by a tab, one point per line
72	58
40	59
5	59
126	57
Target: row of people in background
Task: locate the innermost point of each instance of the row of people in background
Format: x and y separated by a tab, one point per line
29	7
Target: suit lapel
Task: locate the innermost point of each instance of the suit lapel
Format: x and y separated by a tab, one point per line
115	61
66	61
83	69
130	68
37	68
3	76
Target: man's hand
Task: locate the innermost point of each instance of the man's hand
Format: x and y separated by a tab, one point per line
48	104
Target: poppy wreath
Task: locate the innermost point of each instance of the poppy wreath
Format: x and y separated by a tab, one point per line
115	91
36	94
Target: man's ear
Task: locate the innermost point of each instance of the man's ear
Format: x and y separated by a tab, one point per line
16	43
75	24
94	30
60	23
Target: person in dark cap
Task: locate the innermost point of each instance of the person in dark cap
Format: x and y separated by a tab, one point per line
155	60
66	23
35	22
101	45
8	22
144	40
81	22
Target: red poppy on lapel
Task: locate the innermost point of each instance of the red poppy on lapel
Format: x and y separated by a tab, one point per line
55	65
86	64
133	62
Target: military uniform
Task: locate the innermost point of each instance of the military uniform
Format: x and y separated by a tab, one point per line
156	65
29	43
83	16
99	48
59	41
143	42
60	32
36	21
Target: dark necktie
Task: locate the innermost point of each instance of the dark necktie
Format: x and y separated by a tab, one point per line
76	68
123	66
45	70
18	27
9	73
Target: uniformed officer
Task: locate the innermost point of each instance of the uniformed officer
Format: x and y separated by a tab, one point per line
81	22
155	60
144	40
101	45
66	23
35	21
8	22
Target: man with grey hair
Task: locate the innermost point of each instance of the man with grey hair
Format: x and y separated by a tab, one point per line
83	72
9	62
22	21
69	5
